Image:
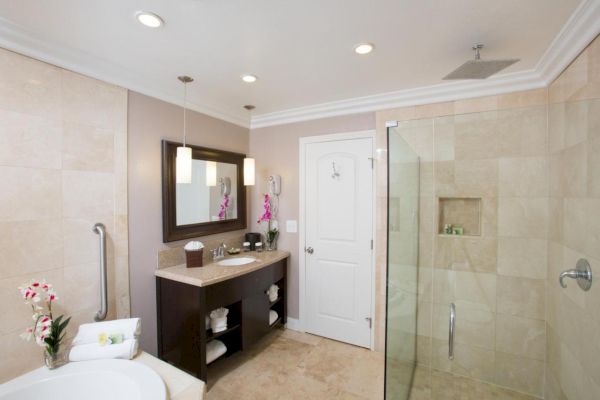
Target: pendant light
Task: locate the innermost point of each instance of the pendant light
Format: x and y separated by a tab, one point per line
183	161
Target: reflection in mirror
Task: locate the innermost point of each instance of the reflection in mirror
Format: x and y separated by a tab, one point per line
211	196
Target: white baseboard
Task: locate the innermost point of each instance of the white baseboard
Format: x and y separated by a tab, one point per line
293	324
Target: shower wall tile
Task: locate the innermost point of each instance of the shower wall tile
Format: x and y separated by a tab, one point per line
523	177
523	217
519	373
522	257
573	171
63	165
522	297
521	336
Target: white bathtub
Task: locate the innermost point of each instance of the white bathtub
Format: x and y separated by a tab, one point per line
88	380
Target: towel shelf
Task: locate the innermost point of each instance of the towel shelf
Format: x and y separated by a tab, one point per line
210	336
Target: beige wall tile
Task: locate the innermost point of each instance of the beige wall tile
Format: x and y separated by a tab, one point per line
92	102
575	221
476	177
475	254
18	356
523	297
30	194
29	141
473	362
526	98
47	213
523	374
521	336
80	199
475	290
476	105
523	132
523	217
593	164
29	86
86	148
523	177
522	257
573	171
30	246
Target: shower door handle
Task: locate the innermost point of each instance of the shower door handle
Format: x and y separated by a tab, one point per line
451	327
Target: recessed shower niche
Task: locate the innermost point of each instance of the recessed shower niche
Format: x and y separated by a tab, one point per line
460	216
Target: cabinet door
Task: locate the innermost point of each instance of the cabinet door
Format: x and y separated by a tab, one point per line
255	318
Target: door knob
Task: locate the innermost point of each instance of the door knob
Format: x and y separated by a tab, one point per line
309	250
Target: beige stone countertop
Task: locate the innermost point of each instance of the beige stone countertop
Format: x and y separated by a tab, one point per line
213	273
180	385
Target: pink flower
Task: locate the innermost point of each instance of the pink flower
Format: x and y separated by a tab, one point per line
267	215
224	207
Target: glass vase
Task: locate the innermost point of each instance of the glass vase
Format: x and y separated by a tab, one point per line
272	244
54	360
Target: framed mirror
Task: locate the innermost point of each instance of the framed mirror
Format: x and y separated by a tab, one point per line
214	201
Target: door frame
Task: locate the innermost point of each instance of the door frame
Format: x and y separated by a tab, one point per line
303	141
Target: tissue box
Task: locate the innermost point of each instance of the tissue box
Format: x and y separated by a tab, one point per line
193	258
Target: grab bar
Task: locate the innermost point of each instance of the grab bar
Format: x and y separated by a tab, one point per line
100	229
451	332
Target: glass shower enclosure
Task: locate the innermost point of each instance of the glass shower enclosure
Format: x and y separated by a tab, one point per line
402	263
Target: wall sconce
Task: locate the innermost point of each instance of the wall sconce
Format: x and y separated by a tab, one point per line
249	172
211	173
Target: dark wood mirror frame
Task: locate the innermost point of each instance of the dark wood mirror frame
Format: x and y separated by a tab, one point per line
171	231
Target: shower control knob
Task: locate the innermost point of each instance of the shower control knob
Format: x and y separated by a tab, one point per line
309	250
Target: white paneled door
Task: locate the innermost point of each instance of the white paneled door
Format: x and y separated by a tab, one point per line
338	191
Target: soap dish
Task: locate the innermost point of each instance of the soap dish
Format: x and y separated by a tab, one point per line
233	250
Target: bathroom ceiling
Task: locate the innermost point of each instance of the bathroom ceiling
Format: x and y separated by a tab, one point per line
301	51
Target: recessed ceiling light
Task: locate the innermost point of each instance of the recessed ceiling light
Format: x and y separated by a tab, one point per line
249	78
149	19
363	48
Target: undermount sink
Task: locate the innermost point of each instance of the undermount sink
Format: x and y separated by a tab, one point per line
230	262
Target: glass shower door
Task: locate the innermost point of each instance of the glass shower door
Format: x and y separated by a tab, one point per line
402	263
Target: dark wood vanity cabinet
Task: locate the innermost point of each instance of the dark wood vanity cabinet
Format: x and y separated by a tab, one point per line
182	308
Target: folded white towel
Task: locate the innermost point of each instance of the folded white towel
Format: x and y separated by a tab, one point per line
89	333
272	317
93	351
214	350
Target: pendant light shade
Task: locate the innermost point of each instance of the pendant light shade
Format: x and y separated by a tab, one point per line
183	165
249	171
183	162
211	173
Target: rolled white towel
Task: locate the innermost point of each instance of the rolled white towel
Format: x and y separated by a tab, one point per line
272	317
214	349
93	351
89	333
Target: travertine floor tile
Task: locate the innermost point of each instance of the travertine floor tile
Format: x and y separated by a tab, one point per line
289	365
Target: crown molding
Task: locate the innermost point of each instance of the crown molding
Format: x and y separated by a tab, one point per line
579	30
15	38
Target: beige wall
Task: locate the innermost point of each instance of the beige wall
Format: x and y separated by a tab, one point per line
149	121
63	166
573	316
276	150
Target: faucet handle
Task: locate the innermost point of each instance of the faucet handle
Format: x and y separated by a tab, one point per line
582	273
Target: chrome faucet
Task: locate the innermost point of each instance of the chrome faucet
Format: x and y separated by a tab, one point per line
218	252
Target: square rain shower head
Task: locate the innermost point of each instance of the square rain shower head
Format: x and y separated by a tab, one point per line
479	69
